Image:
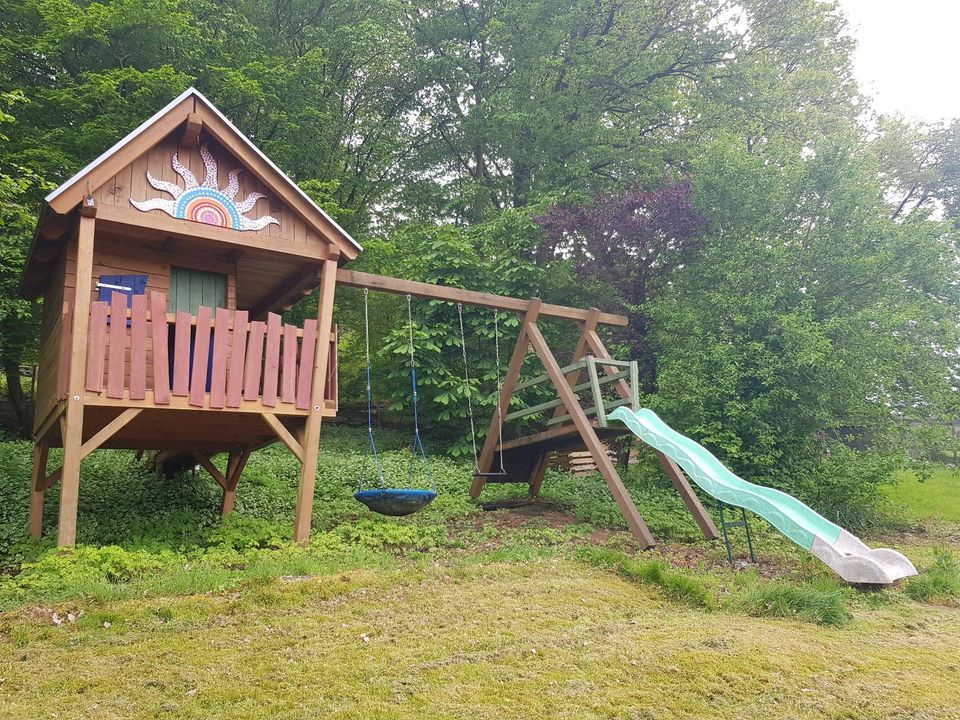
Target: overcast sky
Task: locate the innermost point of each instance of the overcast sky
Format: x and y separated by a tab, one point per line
908	55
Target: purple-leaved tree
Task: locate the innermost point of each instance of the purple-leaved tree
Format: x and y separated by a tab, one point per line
628	243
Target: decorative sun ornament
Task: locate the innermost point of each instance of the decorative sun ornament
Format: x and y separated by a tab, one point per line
205	202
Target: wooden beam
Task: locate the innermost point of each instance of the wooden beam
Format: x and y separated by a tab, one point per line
122	219
108	431
210	468
311	431
52	417
352	278
40	454
238	461
72	419
637	526
285	436
589	325
485	460
674	472
191	130
292	288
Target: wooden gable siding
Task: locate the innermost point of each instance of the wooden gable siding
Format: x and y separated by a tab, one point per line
131	182
51	370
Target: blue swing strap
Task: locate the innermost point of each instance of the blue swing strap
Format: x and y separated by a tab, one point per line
417	442
372	445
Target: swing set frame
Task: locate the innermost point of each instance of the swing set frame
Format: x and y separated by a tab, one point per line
573	428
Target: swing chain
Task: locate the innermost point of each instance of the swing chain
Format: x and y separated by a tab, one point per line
373	443
496	345
467	389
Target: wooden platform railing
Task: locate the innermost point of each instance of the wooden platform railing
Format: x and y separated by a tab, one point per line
216	359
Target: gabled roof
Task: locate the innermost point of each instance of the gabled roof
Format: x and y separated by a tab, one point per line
192	102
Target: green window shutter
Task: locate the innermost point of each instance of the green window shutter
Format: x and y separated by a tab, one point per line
189	289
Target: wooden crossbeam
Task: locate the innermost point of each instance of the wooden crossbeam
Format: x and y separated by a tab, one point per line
637	526
108	431
208	465
285	436
352	278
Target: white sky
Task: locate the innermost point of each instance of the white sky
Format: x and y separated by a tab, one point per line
908	55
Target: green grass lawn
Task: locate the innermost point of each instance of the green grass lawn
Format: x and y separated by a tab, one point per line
542	612
936	498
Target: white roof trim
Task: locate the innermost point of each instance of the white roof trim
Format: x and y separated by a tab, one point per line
192	91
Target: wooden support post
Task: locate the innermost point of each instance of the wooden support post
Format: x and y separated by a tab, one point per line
284	435
536	475
679	480
637	526
109	430
40	454
73	415
238	460
208	465
485	461
311	433
583	346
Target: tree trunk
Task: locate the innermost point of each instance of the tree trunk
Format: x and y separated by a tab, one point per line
11	368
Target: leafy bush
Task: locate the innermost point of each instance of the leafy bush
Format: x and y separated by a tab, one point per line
673	583
242	533
941	581
824	605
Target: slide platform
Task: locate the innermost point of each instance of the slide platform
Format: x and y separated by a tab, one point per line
845	553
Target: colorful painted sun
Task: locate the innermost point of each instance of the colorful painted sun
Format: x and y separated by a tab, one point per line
205	202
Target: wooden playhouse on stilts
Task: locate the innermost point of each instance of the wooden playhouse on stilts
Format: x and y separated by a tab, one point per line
165	266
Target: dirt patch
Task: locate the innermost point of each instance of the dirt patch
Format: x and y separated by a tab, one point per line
518	512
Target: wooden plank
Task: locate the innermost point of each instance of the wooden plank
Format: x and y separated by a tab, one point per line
116	359
238	352
352	278
181	354
271	363
96	344
595	390
589	325
254	362
539	379
108	431
218	374
582	423
485	460
201	357
288	377
307	352
311	430
72	419
40	455
690	499
592	410
138	347
160	334
285	436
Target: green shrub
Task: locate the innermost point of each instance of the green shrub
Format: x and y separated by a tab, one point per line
941	581
385	534
658	573
822	605
242	533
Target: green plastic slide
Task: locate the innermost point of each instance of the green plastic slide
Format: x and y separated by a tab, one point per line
845	553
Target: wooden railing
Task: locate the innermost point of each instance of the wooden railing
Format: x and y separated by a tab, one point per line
217	359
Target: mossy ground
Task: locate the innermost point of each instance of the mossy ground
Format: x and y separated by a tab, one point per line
534	639
542	611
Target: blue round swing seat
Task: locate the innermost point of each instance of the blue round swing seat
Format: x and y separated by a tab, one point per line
395	501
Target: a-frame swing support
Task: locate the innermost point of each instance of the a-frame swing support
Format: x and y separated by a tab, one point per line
589	343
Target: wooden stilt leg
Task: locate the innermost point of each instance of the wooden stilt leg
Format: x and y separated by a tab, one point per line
238	462
72	422
40	454
311	434
537	474
597	449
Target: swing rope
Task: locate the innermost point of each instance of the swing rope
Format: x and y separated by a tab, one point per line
467	389
417	442
373	443
496	344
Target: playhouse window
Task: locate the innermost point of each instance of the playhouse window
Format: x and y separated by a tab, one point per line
189	289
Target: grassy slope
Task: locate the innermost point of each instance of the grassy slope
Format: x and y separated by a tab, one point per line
937	497
539	639
497	620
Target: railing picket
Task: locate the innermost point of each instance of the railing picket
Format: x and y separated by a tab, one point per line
181	354
331	391
161	361
237	356
138	347
96	342
116	359
308	350
201	357
288	378
271	366
218	375
254	361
